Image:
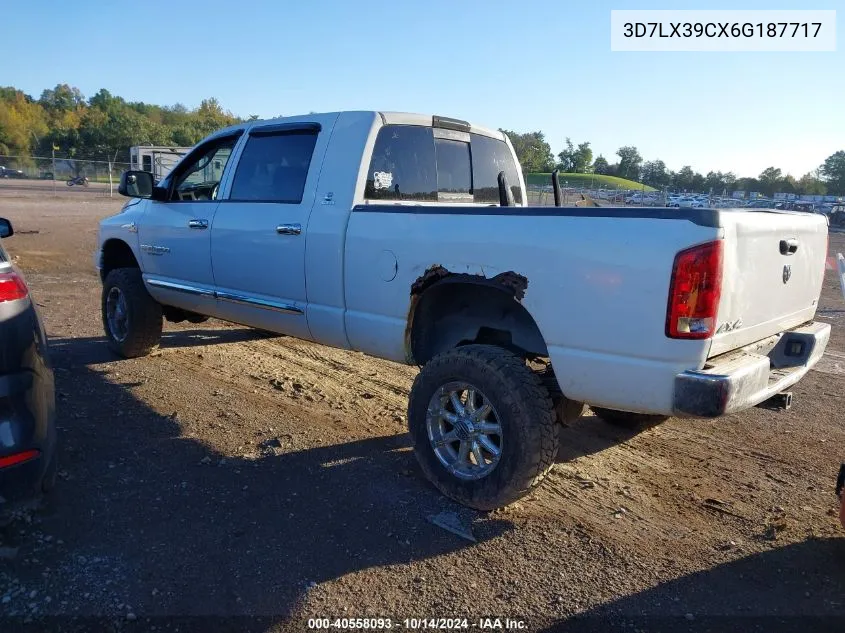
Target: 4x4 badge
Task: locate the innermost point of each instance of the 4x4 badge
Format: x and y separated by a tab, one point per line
787	273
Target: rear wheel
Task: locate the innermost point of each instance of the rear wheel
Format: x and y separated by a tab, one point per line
482	426
566	411
628	420
131	317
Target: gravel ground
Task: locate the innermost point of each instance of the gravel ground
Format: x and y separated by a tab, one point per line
243	482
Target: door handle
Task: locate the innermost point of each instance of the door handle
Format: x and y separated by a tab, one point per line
198	224
788	247
289	229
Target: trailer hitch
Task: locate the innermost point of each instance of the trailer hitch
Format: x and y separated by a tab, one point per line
779	402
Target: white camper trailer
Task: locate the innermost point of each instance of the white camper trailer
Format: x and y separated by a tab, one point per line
157	160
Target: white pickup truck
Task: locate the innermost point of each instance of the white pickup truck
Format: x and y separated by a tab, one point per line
407	237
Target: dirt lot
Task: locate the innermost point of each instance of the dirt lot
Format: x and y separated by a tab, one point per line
253	482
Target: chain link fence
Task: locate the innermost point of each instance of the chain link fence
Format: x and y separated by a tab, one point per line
45	174
543	195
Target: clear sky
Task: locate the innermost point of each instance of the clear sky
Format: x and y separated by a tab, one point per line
523	66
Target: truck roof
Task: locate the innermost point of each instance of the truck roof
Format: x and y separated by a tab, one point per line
387	117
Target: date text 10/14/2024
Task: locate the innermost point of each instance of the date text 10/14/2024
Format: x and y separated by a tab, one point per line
442	624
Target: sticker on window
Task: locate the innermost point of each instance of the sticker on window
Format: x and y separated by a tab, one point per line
382	180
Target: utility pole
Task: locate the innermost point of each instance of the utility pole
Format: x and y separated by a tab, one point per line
111	162
53	145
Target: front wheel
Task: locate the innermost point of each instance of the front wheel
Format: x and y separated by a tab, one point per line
132	319
482	426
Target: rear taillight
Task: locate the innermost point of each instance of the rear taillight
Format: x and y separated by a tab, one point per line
12	287
694	292
18	458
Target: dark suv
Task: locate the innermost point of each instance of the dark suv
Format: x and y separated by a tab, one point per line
27	394
7	172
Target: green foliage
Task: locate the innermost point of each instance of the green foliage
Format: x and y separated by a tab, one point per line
578	160
22	122
583	158
630	162
654	173
101	127
566	158
601	166
833	172
532	150
586	180
683	178
771	180
62	98
719	183
748	184
810	184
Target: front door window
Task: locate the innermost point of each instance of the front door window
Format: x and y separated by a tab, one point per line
200	178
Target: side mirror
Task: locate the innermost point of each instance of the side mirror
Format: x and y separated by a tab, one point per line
6	229
136	184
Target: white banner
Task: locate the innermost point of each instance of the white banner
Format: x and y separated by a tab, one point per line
723	30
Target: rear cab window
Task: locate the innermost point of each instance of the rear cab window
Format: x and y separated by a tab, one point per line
426	164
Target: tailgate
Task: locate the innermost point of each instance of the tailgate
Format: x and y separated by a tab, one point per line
772	275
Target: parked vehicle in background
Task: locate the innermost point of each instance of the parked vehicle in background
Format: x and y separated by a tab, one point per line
158	160
27	393
8	172
760	204
641	198
407	237
682	202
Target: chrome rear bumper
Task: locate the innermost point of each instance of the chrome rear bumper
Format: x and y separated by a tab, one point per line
746	377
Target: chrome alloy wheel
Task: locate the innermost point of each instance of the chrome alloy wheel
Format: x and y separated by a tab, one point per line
117	314
464	430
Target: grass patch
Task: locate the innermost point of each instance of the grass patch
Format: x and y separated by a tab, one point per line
593	181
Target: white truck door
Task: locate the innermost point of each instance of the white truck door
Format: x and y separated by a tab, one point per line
259	233
175	236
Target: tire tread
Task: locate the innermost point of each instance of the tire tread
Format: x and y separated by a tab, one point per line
145	314
528	398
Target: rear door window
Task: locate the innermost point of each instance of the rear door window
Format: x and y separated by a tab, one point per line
273	167
403	165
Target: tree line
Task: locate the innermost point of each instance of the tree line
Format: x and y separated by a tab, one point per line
105	126
102	127
535	155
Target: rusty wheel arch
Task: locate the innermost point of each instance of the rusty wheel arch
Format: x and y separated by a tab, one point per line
451	309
